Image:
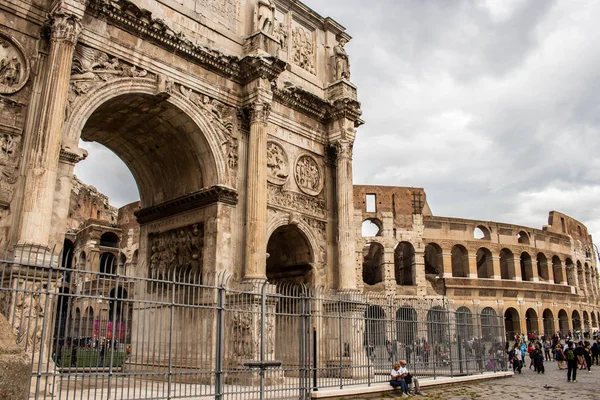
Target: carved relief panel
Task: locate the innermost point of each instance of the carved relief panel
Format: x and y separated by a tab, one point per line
14	67
308	174
303	48
277	164
226	11
176	251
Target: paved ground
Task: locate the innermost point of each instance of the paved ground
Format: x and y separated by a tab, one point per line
528	385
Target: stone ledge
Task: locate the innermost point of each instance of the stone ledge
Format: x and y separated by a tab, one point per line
381	388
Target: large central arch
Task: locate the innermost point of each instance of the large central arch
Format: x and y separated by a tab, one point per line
171	148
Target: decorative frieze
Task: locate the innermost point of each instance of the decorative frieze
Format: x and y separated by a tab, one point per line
294	201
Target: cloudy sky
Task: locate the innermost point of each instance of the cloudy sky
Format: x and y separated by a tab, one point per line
493	106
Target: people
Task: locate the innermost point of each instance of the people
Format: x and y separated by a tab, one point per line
596	350
571	362
397	377
400	377
559	356
517	358
538	359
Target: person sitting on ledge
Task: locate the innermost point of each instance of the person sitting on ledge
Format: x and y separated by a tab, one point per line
400	377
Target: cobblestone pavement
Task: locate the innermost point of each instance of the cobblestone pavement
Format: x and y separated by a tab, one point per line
529	385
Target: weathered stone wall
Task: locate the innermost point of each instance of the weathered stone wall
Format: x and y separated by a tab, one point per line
15	365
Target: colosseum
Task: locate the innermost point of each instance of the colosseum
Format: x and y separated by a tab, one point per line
540	280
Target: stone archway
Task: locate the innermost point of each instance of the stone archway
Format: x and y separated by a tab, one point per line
512	323
290	256
177	152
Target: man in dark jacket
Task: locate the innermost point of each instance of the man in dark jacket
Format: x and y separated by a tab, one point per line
596	350
571	362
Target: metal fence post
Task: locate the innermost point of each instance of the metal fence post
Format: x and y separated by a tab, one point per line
449	341
220	342
341	344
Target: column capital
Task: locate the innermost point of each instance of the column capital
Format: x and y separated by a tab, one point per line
64	27
343	148
72	156
259	111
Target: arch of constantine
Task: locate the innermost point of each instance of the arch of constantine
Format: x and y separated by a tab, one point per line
250	248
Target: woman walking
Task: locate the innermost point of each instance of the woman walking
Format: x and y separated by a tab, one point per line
560	356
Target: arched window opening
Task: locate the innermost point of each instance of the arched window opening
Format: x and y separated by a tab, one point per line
460	261
557	270
542	267
122	265
109	239
576	321
593	316
512	323
67	259
481	232
119	314
464	324
375	326
433	260
373	255
491	325
526	267
406	325
580	277
437	328
404	264
563	322
107	263
372	227
523	237
586	321
290	256
485	268
531	319
507	264
548	317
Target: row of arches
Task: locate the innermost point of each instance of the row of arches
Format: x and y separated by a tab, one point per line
439	325
516	266
549	324
404	264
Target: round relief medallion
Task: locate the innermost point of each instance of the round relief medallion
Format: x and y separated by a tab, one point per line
308	174
14	67
277	164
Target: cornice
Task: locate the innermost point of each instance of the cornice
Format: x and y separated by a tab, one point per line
199	199
313	105
263	67
138	21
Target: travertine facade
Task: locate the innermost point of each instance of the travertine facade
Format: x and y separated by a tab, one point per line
236	118
541	280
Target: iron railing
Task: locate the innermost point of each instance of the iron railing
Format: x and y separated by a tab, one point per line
186	334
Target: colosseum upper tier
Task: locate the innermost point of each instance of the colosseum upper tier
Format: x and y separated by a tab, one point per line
541	280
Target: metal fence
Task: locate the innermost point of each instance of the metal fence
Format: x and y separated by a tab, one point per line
184	334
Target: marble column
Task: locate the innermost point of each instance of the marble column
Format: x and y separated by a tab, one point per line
256	205
345	211
42	164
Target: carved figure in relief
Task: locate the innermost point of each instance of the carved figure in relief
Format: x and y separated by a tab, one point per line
277	163
308	175
8	159
266	16
91	65
10	71
242	334
303	49
342	61
281	34
176	251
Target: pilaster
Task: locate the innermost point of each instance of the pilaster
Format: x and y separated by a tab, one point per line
496	273
345	212
256	205
40	180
